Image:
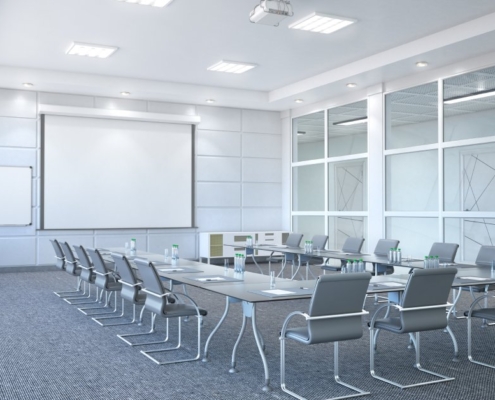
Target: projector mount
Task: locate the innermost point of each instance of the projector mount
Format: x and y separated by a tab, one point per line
271	12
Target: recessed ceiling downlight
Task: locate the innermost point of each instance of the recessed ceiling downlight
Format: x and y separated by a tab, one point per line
90	50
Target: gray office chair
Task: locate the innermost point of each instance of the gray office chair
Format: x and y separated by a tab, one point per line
72	268
485	313
351	245
445	251
130	291
334	315
319	242
60	264
423	308
382	249
87	275
158	302
293	240
107	281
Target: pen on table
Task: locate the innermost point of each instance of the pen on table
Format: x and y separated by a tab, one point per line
304	288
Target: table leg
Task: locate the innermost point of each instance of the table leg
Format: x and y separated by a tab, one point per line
266	387
234	351
228	300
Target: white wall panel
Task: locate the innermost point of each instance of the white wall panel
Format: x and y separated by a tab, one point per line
218	169
171	108
19	158
261	170
261	219
46	253
186	242
259	145
261	195
119	240
70	100
215	143
210	194
218	219
17	103
260	121
120	104
17	132
219	119
17	251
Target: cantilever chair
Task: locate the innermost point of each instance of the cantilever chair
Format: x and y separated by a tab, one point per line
382	248
158	301
60	264
72	268
487	313
334	315
445	251
319	242
293	240
87	275
352	245
423	308
107	281
131	291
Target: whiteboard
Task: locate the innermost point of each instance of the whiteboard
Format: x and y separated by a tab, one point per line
113	174
15	200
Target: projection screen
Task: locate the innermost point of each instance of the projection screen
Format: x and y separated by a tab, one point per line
111	174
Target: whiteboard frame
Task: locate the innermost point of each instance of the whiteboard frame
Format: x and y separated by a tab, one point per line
30	195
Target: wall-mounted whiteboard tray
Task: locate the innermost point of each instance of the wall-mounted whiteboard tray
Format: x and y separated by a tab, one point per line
16	195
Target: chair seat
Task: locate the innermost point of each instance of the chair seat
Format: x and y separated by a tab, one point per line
300	335
485	313
113	286
181	310
331	268
389	324
140	298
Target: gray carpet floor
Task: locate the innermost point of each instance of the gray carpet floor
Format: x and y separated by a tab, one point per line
50	350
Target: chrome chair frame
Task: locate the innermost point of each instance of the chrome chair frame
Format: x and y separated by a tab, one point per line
469	329
60	264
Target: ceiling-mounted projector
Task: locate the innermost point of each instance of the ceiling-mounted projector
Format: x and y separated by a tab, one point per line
271	12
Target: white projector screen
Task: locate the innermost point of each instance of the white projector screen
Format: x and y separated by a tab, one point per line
110	174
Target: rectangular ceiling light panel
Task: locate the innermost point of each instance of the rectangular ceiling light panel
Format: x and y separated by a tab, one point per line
231	66
91	50
322	23
469	97
154	3
355	121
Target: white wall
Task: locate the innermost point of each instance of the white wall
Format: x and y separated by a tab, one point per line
237	184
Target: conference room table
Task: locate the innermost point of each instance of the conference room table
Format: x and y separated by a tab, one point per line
251	289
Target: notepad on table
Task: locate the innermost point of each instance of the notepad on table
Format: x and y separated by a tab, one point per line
213	279
472	278
391	284
278	292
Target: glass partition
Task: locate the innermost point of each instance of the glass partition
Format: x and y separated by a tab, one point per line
348	185
470	234
411	117
469	178
348	129
308	137
469	105
342	227
412	181
308	225
308	188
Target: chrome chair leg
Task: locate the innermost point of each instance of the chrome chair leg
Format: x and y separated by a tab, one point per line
69	293
97	319
152	330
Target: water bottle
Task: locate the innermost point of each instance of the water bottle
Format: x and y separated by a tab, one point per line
236	262
133	244
355	266
399	256
361	265
343	270
426	263
243	263
311	246
349	266
391	255
437	262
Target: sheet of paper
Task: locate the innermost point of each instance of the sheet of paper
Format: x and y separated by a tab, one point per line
391	284
214	279
171	269
278	291
473	278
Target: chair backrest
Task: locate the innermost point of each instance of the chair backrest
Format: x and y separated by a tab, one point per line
153	284
426	287
384	245
293	240
337	294
445	251
102	277
71	262
352	245
59	254
319	241
85	263
485	256
127	277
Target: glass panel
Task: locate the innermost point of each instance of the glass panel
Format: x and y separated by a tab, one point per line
340	228
467	117
412	181
469	178
308	137
308	226
347	186
348	130
411	117
308	189
416	235
470	234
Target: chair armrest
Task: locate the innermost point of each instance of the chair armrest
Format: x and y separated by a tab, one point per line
474	303
287	320
99	273
128	284
308	318
421	308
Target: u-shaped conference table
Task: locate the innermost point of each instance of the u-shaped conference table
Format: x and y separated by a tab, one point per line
250	288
